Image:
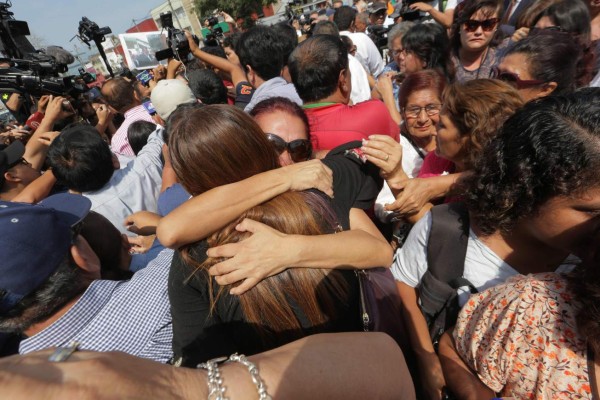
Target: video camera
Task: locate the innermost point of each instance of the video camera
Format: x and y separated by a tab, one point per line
378	33
408	14
179	46
29	72
214	30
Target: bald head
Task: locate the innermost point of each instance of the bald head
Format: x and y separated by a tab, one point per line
119	93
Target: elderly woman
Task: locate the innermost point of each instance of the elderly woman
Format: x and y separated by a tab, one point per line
471	116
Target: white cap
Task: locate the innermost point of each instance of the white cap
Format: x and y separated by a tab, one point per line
168	94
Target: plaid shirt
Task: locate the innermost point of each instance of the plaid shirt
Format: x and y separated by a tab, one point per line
119	143
130	316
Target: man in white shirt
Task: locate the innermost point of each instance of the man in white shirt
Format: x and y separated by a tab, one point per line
366	51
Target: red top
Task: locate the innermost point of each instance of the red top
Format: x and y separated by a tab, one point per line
434	165
335	124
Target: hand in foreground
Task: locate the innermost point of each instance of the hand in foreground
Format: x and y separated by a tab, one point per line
414	195
385	153
43	103
142	223
104	114
519	34
48	137
55	110
251	260
85	375
311	174
192	42
172	68
140	244
425	7
17	133
385	85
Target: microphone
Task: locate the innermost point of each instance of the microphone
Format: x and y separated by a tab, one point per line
61	55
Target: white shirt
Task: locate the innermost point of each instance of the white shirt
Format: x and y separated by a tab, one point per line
366	52
133	188
483	268
361	91
411	164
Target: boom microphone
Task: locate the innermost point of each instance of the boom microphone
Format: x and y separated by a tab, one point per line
61	55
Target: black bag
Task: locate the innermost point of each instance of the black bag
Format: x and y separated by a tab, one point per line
380	304
446	251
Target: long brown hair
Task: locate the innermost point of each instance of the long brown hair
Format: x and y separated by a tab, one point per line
216	145
268	306
479	108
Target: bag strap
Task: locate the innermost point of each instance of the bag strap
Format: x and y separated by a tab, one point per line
448	240
412	143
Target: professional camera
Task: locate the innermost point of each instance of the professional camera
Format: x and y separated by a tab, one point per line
28	72
179	46
214	30
408	14
378	33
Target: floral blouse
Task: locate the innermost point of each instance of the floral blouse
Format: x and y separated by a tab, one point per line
522	340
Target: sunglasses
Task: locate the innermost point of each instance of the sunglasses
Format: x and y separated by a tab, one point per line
300	149
487	25
514	80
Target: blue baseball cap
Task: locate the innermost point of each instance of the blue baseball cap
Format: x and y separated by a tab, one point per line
35	240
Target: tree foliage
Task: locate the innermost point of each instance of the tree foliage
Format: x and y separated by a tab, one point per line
235	8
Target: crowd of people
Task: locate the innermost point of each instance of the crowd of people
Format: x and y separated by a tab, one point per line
216	232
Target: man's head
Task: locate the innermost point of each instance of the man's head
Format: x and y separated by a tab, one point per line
378	13
46	264
337	3
319	69
207	87
14	169
168	94
120	94
344	18
260	54
361	21
80	159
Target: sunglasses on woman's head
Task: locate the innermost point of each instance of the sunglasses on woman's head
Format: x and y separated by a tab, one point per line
487	25
514	80
300	149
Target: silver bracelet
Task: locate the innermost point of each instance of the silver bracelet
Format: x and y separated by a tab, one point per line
254	374
216	390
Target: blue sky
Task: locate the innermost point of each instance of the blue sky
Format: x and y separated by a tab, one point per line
56	21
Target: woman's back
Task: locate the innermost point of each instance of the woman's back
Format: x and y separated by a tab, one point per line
294	303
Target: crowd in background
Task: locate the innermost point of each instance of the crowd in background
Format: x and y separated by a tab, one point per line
245	199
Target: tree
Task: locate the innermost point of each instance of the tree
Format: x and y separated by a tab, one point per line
235	8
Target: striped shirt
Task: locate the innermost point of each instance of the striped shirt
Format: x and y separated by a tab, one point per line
130	316
119	143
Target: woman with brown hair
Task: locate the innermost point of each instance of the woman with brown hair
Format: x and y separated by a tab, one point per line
223	158
279	309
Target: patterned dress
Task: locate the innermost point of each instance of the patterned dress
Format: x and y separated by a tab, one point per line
522	341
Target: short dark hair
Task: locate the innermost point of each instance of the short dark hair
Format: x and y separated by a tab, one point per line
120	94
430	43
80	159
344	17
62	286
325	28
232	40
207	86
548	148
138	133
288	39
315	66
258	48
215	51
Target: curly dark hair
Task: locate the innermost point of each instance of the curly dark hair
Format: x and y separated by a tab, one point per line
550	147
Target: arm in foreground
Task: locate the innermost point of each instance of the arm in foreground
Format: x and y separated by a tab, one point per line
335	366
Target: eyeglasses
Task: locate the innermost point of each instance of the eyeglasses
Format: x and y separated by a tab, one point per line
487	25
514	80
300	149
430	110
397	52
